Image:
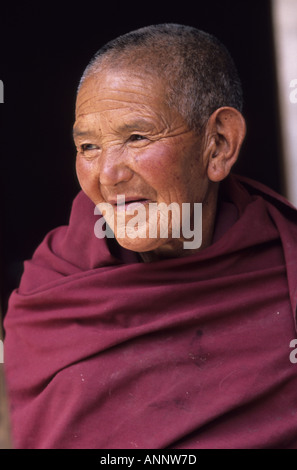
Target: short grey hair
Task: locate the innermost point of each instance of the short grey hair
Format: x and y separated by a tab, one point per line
199	73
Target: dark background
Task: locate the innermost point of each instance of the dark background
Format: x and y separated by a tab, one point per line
44	50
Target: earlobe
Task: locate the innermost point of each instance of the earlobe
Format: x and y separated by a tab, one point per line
227	129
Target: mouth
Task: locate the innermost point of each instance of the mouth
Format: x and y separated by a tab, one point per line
124	203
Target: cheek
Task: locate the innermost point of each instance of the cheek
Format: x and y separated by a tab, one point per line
159	166
81	171
88	179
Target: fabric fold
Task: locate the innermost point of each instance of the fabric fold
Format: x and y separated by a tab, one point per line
103	351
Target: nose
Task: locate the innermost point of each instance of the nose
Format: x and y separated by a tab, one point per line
114	167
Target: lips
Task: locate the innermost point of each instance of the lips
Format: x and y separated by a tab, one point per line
123	202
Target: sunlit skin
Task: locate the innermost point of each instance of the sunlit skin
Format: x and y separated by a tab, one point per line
129	142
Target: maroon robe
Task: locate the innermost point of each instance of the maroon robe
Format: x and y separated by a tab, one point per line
104	351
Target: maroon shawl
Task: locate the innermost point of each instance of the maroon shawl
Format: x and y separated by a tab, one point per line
103	351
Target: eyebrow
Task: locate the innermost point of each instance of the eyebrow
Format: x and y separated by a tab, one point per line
137	124
77	132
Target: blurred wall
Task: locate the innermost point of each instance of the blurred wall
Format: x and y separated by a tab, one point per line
285	37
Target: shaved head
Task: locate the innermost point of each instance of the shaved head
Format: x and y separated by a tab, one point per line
199	74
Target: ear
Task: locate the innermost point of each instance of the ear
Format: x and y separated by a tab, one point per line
224	133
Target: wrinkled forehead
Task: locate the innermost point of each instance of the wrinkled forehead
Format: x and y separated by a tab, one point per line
106	88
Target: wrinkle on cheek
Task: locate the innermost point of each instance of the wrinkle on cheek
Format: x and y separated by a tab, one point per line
154	159
86	170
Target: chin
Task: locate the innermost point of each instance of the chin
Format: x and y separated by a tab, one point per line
140	245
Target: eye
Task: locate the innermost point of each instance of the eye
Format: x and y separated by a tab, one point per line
86	147
89	151
135	137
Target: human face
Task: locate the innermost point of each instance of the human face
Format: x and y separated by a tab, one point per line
130	143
